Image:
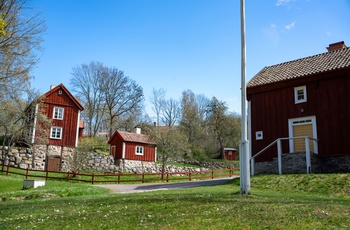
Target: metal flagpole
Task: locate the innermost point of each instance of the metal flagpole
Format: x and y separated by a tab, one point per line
244	143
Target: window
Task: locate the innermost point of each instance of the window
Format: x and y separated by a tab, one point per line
58	113
259	135
56	133
139	150
300	94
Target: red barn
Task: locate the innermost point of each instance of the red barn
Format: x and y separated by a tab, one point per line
307	97
132	146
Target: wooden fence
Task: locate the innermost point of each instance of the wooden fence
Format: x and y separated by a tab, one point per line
120	177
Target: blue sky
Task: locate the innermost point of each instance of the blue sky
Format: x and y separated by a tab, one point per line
184	44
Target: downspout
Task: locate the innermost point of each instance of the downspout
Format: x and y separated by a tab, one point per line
123	156
77	130
33	134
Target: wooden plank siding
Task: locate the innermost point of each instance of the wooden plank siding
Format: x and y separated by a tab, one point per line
60	97
148	152
328	99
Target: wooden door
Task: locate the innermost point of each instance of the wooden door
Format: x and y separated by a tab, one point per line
113	149
302	130
54	164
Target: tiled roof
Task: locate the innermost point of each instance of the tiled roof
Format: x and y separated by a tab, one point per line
135	137
337	59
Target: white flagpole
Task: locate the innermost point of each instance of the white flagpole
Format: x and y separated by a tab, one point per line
244	144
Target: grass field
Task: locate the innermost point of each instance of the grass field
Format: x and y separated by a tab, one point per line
315	201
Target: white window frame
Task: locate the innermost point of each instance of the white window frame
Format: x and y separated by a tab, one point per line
296	95
139	150
60	113
259	135
53	132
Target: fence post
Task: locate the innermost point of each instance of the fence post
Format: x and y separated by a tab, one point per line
7	169
279	154
47	175
308	160
190	176
143	177
231	170
118	178
167	177
212	174
68	176
26	173
93	178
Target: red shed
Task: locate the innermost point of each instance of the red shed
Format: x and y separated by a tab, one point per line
230	154
304	97
132	146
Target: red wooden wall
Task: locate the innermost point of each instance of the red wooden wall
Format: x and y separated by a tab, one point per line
70	117
328	98
149	153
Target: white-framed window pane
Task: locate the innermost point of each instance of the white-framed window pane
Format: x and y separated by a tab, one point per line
139	150
58	113
56	133
300	94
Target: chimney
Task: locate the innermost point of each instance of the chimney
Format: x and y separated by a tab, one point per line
138	130
336	46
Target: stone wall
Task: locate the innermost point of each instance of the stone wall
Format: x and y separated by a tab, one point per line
24	158
296	163
339	164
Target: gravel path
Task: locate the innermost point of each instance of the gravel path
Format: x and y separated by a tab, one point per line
132	188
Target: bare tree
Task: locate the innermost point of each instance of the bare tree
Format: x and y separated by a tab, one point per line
86	82
216	118
157	100
225	126
121	95
20	40
171	143
19	118
192	122
170	112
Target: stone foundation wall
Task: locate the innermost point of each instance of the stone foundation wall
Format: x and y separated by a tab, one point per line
339	164
296	163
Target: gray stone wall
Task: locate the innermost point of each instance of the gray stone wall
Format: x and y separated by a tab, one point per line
24	158
296	163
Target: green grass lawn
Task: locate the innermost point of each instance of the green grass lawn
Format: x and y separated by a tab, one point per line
315	201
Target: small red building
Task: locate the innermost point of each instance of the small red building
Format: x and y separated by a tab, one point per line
132	146
230	154
307	97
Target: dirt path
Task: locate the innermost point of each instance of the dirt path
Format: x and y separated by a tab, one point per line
132	188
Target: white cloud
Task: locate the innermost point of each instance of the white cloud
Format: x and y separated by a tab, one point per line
329	33
283	2
273	25
290	26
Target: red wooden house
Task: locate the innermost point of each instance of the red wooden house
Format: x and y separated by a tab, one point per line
132	146
66	128
304	97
